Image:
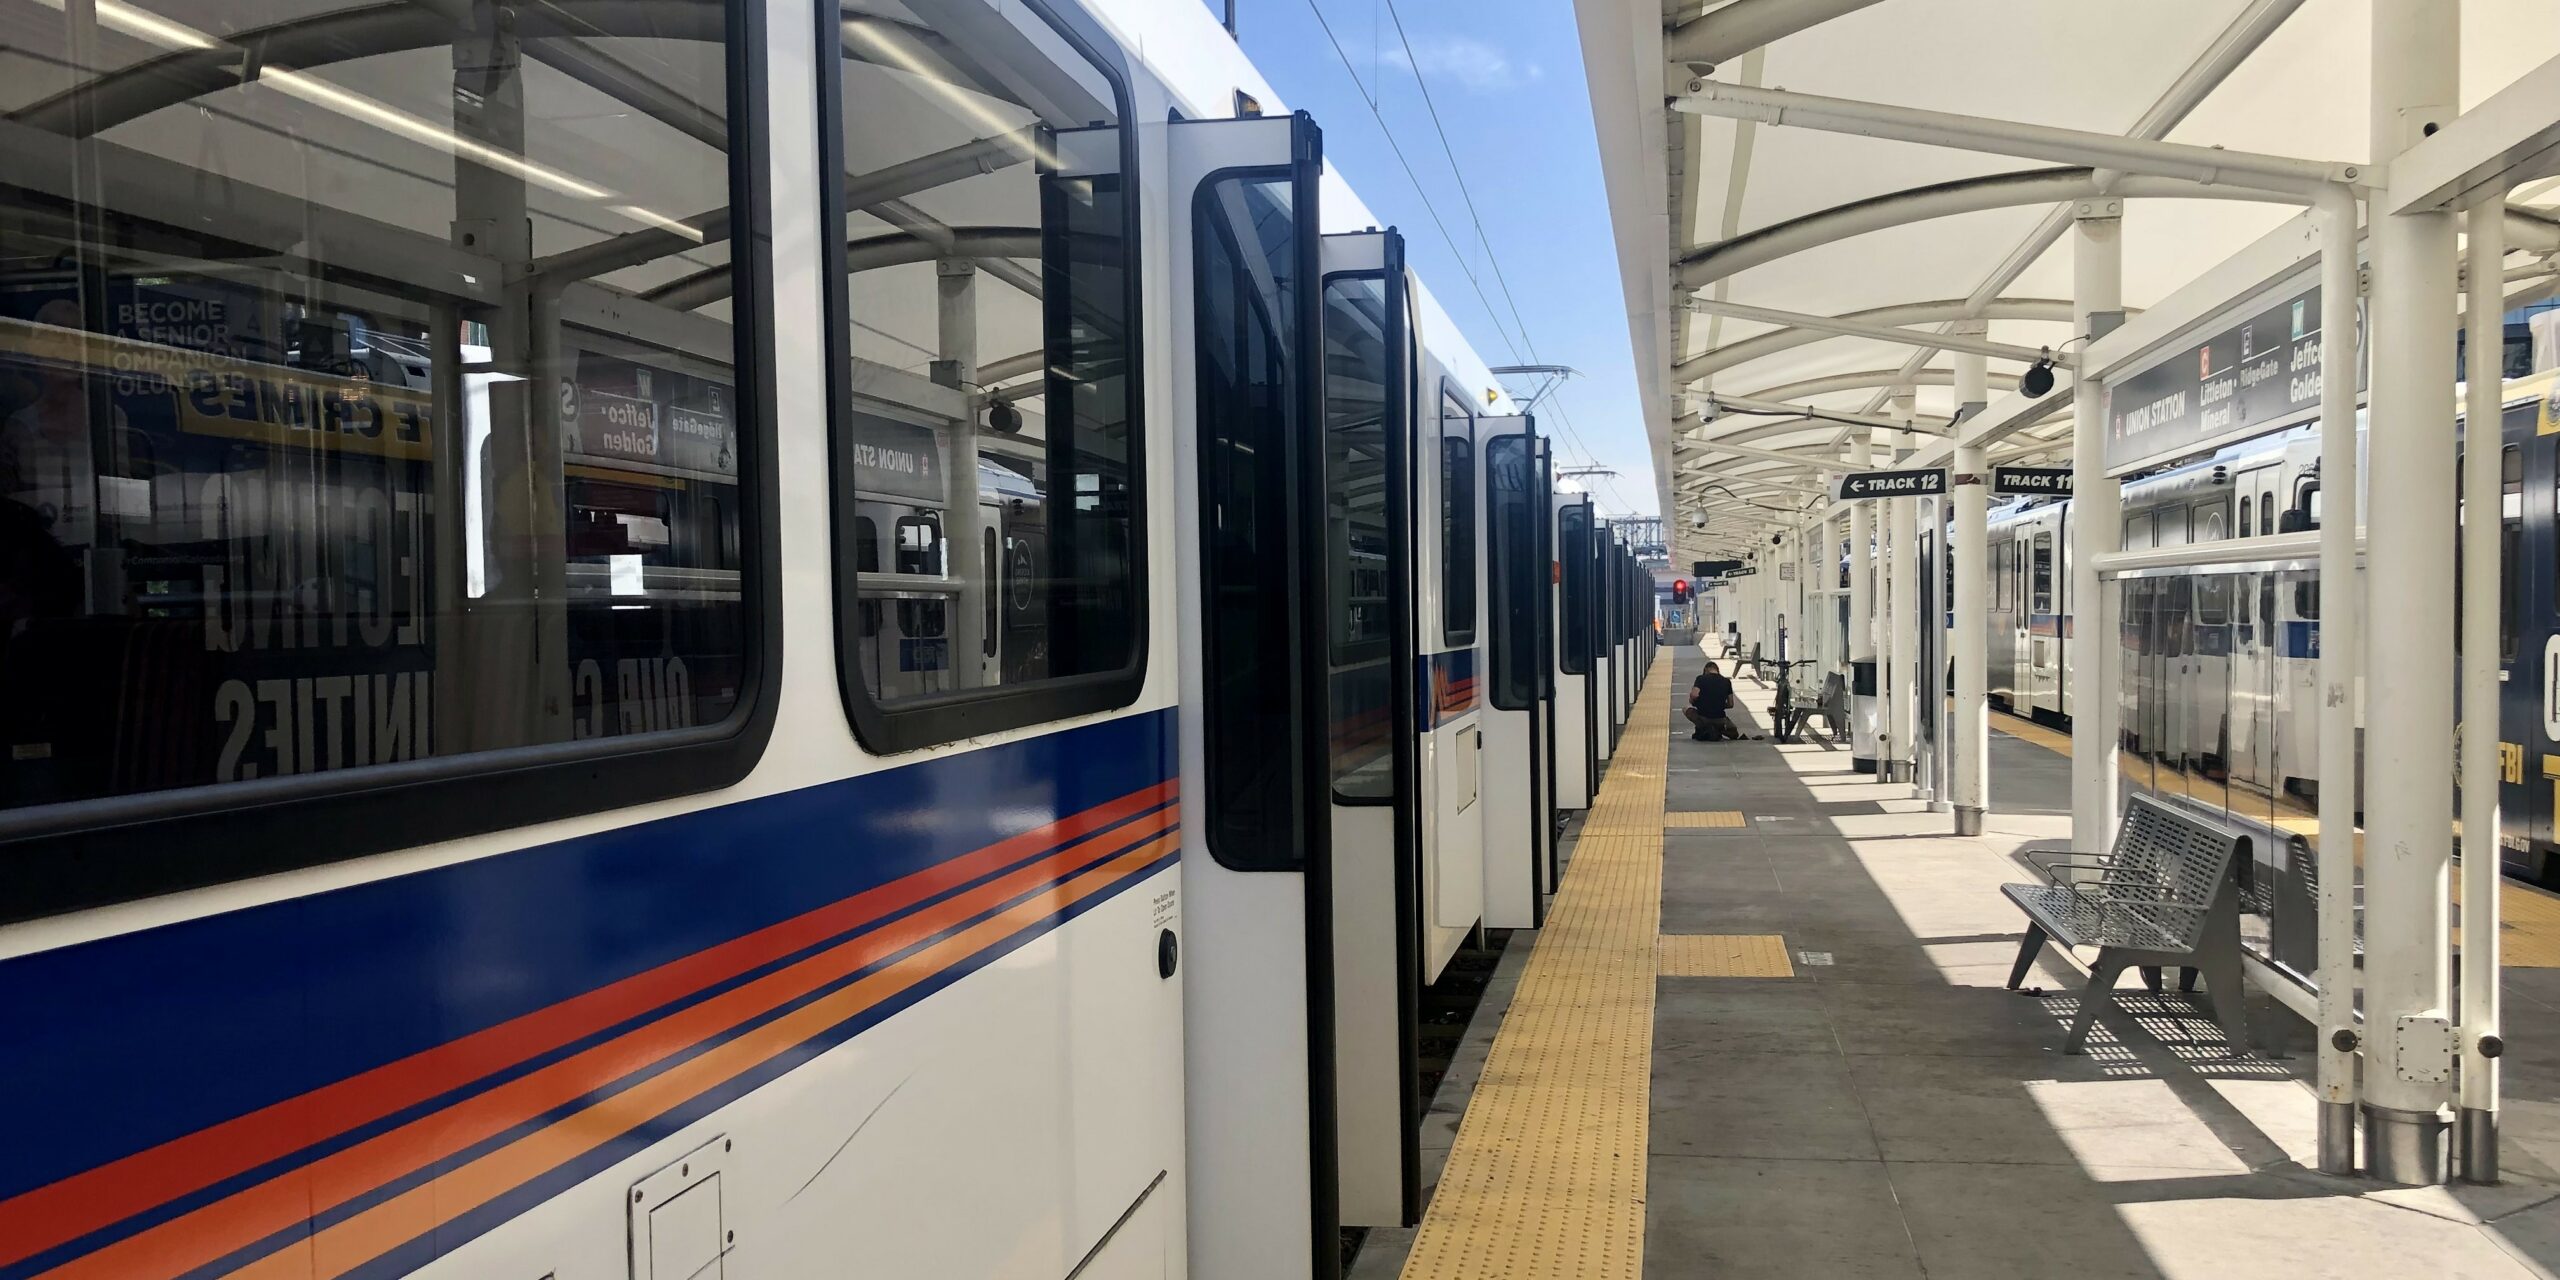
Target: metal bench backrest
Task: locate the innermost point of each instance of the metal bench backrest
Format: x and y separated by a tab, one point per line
2172	863
1835	696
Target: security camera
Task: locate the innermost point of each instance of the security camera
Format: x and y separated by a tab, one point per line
1698	520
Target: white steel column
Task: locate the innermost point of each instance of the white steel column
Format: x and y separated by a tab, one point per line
2097	288
2341	632
956	314
1888	734
2483	502
1862	631
1970	743
2409	699
1902	623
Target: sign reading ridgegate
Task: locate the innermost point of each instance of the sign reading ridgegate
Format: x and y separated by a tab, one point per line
2257	371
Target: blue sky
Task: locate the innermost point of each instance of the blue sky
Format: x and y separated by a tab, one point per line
1507	78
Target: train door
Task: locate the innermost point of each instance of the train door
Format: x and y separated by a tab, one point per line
1258	981
1543	729
2042	642
2250	753
2528	621
1516	680
1577	685
2000	630
2173	612
1370	662
2209	666
1605	665
1451	695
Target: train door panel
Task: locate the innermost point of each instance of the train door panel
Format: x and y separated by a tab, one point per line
2529	722
2209	684
1256	870
1450	693
1543	730
1514	681
1604	646
2249	749
2041	642
1371	736
1577	685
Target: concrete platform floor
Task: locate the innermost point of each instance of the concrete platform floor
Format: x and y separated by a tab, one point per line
1892	1111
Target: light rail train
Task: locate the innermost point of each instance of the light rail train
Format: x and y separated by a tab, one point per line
657	638
2217	697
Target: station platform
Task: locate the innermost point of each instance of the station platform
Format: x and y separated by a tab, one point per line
1765	1033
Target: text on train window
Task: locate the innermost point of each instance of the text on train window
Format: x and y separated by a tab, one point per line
988	321
376	406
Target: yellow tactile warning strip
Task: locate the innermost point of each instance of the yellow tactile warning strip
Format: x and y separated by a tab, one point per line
1723	955
2528	918
1704	819
1546	1180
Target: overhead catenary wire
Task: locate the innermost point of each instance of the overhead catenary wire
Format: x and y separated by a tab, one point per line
1441	224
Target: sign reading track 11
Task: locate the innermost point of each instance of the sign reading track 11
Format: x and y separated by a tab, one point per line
1857	485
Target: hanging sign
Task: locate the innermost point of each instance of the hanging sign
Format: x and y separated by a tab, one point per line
1743	572
2255	369
1860	485
2032	480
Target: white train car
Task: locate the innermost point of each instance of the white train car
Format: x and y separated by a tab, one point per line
661	637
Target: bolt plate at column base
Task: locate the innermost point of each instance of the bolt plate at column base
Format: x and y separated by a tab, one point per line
1968	820
2479	1146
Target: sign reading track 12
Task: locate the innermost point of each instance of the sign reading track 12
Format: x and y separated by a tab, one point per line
1892	484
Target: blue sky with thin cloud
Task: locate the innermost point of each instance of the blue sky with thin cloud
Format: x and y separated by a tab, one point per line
1506	76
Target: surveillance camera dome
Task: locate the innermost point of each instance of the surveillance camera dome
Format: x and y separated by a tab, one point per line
1698	520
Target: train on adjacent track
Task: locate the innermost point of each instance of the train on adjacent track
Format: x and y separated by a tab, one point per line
2217	694
648	638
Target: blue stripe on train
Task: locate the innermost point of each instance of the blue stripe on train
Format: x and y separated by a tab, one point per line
133	1040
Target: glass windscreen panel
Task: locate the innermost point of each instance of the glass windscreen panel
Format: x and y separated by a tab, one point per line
368	390
1246	255
1574	557
989	281
1360	375
1517	575
1457	522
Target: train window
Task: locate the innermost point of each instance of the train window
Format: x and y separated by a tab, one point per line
2245	526
985	321
1359	540
1458	522
2042	600
342	426
1250	406
1515	572
1575	556
866	559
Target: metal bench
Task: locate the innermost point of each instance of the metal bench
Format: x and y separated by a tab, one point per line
1832	706
2166	896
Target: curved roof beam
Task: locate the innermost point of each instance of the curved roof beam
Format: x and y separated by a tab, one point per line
321	40
1759	345
1703	266
1745	25
1866	378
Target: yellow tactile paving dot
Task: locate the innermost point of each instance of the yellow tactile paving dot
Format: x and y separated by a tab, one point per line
1702	820
1546	1179
2529	919
1723	955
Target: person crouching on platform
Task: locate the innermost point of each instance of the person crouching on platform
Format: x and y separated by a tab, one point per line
1710	700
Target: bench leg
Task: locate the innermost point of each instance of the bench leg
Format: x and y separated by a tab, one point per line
2028	949
2102	984
2186	979
2151	978
2223	982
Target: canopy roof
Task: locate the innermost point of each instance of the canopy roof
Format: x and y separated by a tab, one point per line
1832	225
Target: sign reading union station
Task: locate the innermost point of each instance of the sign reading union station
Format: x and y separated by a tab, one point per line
2257	371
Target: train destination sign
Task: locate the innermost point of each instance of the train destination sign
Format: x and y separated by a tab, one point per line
1922	483
2032	480
2256	373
